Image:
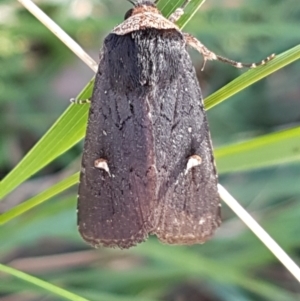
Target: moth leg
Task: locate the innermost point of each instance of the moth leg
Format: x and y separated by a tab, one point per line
80	101
178	12
211	56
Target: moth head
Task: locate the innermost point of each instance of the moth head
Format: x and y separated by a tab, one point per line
142	6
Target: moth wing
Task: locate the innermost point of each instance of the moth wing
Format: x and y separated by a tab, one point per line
188	210
114	201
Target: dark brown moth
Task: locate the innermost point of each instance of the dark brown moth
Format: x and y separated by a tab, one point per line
148	165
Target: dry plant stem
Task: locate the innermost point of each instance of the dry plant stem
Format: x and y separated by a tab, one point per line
259	232
227	198
52	26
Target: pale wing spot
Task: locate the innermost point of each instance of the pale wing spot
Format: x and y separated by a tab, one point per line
193	161
202	221
102	164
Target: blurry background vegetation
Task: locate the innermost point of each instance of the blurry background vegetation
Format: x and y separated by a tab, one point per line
38	76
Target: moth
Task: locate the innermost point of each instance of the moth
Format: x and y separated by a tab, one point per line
148	165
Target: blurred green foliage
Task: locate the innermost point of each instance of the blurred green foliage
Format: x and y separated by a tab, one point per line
38	76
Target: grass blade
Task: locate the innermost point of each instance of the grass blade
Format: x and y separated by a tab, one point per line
252	76
276	148
42	284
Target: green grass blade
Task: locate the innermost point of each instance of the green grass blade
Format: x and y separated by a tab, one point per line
268	150
252	76
66	295
42	284
189	12
38	199
65	132
167	7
